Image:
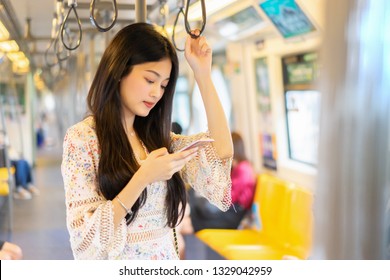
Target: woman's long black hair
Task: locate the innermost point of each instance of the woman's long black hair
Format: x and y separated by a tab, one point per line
135	44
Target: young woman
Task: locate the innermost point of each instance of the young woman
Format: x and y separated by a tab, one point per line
120	165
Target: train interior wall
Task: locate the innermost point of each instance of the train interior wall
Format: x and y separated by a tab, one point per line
247	120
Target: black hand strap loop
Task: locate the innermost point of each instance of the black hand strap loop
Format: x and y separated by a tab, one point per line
93	20
63	27
187	24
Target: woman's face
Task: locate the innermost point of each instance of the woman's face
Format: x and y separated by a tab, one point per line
143	87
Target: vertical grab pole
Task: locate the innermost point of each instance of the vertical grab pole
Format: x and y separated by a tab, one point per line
140	11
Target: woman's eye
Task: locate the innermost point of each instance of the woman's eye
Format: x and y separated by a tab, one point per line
149	81
163	87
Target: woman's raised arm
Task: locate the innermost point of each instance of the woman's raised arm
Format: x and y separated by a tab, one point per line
199	56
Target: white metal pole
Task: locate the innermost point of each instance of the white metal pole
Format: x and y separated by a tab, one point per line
140	11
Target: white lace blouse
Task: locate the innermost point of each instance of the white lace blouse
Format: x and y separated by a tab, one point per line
90	215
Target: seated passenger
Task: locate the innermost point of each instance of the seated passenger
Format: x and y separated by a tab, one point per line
23	177
205	215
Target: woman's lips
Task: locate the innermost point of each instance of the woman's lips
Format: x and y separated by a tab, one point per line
149	104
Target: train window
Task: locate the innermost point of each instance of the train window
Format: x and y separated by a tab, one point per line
199	121
302	112
302	100
181	103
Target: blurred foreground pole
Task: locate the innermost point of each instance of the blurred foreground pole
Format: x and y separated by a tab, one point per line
352	194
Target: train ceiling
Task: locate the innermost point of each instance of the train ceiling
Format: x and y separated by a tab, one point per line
30	22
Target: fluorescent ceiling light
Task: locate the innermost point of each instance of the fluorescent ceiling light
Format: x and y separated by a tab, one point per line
15	56
20	70
228	29
4	34
23	63
9	46
212	6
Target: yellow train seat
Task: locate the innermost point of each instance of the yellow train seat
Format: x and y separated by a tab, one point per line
4	182
285	225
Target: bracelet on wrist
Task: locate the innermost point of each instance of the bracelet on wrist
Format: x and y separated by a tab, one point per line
128	211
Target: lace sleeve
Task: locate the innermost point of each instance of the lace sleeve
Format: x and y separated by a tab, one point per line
207	174
89	215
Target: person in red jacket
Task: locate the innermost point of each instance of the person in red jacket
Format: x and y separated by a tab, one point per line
243	176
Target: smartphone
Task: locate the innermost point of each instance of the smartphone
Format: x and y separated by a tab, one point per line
197	143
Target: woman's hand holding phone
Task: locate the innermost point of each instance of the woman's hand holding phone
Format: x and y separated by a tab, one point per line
196	143
161	165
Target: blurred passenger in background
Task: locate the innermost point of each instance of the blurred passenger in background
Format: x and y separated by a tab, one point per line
25	188
176	128
205	215
41	131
